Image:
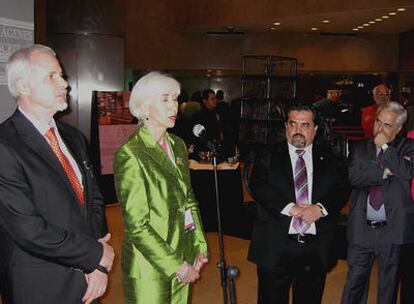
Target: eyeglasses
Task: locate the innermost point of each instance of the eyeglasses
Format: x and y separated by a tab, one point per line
382	94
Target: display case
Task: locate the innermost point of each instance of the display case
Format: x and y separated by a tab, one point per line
268	84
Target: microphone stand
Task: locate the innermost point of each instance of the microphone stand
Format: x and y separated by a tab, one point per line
226	272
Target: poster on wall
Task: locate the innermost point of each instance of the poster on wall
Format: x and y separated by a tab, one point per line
115	123
14	34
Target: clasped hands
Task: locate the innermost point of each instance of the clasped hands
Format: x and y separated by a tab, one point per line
309	213
191	273
97	280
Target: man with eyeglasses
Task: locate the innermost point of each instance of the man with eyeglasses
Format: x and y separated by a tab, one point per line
381	95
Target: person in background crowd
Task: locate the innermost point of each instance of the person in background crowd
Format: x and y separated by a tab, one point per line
381	94
299	187
164	247
53	234
381	215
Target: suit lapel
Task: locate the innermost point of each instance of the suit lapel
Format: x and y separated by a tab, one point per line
286	167
35	141
155	152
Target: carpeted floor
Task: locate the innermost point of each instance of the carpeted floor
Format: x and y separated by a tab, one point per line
208	289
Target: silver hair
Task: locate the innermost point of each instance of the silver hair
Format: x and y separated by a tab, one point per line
374	90
18	65
397	108
147	89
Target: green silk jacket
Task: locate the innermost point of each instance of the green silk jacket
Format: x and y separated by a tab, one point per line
154	194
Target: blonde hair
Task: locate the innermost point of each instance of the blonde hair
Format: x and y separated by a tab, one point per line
147	89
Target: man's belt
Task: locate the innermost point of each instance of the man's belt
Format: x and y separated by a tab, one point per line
302	238
376	224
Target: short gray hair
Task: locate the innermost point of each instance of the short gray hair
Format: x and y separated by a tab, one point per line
147	89
18	65
397	108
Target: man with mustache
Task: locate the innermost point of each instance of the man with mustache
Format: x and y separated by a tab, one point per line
53	234
381	215
299	187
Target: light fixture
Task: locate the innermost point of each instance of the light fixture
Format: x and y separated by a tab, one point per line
401	9
326	21
276	23
378	19
355	29
392	13
272	28
360	27
314	29
385	17
371	22
366	24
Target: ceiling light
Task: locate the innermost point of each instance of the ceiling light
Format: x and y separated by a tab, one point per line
401	9
314	29
272	28
378	19
392	14
360	27
366	24
277	23
355	29
371	22
326	21
385	17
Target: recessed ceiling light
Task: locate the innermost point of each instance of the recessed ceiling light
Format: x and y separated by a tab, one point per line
385	17
392	13
314	29
378	19
277	23
401	9
272	28
360	27
326	21
355	29
371	22
366	24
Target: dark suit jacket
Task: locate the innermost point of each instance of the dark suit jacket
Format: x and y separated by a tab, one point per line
364	172
47	240
273	188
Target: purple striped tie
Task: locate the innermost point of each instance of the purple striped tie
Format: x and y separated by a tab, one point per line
301	190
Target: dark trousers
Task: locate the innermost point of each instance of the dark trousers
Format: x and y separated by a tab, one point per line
407	274
360	259
298	266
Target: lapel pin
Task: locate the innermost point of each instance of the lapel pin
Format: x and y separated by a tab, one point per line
321	158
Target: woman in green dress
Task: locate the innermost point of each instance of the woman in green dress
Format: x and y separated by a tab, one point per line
164	247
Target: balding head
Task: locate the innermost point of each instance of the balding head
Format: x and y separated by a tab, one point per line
381	94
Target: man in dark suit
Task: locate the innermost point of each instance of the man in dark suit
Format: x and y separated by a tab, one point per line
299	187
53	234
381	215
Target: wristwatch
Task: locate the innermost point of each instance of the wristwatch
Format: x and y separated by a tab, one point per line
323	211
102	269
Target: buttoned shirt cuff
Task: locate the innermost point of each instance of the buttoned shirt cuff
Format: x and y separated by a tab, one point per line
286	210
323	210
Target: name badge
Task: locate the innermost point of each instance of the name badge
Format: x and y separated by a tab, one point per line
188	221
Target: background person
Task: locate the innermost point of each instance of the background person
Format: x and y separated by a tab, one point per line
164	247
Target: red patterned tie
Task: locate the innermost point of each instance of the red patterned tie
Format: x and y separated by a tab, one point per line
51	136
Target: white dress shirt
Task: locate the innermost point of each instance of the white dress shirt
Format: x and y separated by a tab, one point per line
307	157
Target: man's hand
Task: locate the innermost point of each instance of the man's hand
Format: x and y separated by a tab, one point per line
97	283
200	260
108	252
381	138
310	214
297	209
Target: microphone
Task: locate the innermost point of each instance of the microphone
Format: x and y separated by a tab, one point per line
200	132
